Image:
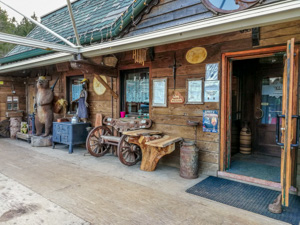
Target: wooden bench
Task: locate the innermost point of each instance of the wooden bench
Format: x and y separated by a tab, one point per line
153	146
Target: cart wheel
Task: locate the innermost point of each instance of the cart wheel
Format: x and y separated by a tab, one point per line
129	154
94	143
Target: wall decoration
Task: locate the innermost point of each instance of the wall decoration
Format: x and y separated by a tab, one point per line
140	56
196	55
212	91
212	71
194	91
98	87
210	121
176	98
159	93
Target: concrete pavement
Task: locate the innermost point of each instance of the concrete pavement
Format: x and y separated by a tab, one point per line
93	190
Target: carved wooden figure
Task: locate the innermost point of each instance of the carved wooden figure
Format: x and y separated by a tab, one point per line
82	111
44	114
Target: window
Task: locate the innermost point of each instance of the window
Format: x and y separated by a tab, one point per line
12	103
228	6
135	92
271	99
74	88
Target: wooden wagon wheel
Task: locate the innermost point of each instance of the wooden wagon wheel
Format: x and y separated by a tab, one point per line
95	144
129	154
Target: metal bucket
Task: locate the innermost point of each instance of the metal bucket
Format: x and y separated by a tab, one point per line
189	160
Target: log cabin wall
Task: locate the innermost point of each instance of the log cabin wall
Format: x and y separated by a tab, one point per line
10	84
172	119
97	103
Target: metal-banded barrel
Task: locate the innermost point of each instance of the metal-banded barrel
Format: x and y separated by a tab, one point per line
245	141
189	160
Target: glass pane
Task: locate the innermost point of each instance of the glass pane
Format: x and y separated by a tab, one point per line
137	92
9	106
9	98
76	89
271	99
225	4
15	106
15	99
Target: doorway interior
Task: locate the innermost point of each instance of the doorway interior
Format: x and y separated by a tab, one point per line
256	100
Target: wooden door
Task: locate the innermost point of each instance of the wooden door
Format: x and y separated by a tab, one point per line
268	104
288	124
31	96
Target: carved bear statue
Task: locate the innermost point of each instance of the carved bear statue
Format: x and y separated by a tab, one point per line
44	114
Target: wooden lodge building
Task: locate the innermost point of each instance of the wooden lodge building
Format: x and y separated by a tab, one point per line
244	54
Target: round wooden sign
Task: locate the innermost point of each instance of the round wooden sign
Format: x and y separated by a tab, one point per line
98	87
196	55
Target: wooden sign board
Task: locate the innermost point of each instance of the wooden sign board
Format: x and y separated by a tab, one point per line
196	55
62	67
177	98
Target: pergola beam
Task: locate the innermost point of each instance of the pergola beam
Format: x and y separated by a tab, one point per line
14	39
42	26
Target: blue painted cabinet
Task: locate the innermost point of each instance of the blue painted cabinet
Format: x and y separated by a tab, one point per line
69	134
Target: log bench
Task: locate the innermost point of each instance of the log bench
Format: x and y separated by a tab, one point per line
153	146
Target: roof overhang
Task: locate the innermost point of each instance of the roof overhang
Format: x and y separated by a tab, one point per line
282	11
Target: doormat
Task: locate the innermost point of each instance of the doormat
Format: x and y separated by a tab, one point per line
248	197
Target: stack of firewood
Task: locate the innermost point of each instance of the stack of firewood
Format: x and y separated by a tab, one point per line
4	128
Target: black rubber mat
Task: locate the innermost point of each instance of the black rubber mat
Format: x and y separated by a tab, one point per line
248	197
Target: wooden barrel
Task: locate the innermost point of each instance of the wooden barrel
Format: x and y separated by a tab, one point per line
189	160
245	140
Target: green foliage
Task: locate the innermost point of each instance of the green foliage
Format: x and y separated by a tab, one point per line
11	26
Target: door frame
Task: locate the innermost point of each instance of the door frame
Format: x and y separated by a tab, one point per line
226	105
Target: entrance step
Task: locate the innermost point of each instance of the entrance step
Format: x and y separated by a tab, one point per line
254	181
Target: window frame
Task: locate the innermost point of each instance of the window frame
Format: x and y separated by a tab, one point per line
69	90
244	4
13	102
123	103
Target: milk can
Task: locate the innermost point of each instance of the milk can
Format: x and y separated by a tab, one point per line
189	160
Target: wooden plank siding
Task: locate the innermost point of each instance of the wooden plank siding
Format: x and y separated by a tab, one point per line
6	90
172	119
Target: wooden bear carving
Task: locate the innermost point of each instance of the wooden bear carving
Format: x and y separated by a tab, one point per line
44	115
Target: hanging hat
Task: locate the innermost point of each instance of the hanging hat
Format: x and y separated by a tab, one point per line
41	78
84	81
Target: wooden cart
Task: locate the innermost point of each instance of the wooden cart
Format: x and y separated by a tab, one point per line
101	139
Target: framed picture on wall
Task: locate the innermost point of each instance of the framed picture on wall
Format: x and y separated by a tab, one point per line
194	91
160	92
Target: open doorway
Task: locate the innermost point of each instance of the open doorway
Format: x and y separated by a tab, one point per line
256	101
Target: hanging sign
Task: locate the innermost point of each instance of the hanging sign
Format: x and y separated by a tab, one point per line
210	121
211	91
212	71
177	98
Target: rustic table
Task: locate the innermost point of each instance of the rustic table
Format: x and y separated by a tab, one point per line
153	146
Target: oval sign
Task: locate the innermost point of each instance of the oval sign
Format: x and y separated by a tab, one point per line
98	87
196	55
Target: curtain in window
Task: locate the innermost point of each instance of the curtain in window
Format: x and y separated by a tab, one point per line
137	90
76	89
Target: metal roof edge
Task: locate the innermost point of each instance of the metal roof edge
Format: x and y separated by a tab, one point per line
115	30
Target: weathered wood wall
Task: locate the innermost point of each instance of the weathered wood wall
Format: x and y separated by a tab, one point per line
6	90
172	119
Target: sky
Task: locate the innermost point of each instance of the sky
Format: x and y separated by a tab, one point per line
28	7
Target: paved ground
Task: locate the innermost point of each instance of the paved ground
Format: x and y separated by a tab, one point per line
45	186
